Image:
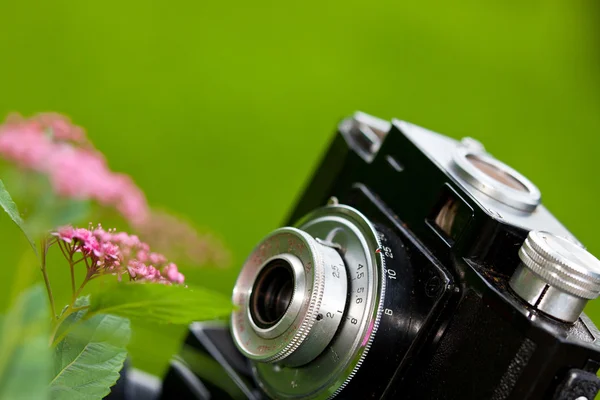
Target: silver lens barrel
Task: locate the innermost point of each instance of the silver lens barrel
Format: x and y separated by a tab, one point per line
308	304
289	283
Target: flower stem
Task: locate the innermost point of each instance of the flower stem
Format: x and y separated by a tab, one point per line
71	266
44	249
68	311
78	292
72	278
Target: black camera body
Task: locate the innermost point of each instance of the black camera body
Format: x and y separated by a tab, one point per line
461	312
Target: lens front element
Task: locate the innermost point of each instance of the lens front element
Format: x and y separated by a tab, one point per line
272	293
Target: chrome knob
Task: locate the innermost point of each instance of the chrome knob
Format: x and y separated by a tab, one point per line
556	276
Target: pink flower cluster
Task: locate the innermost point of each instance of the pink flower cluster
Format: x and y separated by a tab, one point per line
110	252
50	144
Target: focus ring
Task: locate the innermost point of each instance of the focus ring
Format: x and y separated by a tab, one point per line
313	307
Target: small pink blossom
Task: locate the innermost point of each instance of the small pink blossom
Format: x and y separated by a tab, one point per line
157	259
142	255
173	274
153	274
91	246
64	233
102	235
111	256
84	235
137	269
110	250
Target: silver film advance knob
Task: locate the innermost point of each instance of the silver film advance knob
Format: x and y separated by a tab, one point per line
556	276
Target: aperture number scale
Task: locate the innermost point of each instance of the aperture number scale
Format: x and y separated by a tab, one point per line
390	273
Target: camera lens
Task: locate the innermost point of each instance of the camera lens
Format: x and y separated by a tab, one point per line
308	303
287	286
272	293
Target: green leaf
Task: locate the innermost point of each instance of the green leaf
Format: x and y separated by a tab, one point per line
11	209
160	303
25	357
88	360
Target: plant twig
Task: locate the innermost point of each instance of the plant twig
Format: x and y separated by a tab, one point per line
71	264
44	249
68	311
78	292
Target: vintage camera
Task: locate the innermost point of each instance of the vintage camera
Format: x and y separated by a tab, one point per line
414	266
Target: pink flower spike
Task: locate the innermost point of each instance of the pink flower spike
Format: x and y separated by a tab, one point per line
118	253
52	145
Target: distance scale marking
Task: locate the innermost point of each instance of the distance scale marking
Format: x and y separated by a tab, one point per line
395	322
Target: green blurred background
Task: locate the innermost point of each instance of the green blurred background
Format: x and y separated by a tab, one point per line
220	110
